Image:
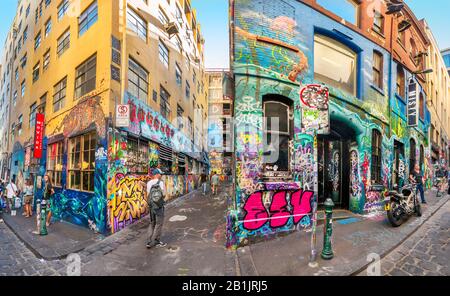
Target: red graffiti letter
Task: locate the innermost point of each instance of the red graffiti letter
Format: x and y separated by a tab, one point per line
278	209
301	202
257	214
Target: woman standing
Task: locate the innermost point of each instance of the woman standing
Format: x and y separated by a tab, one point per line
28	198
48	192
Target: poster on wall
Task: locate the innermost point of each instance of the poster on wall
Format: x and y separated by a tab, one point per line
38	135
315	108
412	113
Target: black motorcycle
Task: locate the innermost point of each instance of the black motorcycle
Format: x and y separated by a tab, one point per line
400	206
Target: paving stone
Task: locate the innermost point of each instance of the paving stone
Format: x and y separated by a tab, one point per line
412	269
398	272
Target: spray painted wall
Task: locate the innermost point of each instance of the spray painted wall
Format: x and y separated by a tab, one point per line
273	45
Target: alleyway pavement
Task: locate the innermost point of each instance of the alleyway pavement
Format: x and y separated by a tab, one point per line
194	230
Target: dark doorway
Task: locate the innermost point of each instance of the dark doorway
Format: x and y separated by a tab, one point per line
334	164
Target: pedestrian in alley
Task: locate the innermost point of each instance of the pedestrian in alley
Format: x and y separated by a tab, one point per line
156	193
417	177
28	198
11	194
214	182
48	197
203	180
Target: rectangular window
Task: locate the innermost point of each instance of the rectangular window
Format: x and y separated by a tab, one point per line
138	156
19	125
376	157
164	54
165	158
46	60
88	18
188	90
346	9
23	87
48	27
178	74
63	42
165	103
37	41
137	80
15	98
59	96
180	119
378	22
63	8
33	109
55	162
36	70
82	162
377	69
136	24
162	17
25	34
335	64
85	77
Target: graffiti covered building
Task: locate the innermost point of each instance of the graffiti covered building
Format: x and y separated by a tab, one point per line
76	62
337	79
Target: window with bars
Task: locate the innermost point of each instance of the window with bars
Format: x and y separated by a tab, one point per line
165	103
137	80
85	77
138	156
88	18
55	162
165	158
82	162
137	24
376	156
59	95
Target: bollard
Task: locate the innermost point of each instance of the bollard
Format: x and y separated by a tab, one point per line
38	217
327	252
43	230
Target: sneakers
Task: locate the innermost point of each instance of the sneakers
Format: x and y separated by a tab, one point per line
158	244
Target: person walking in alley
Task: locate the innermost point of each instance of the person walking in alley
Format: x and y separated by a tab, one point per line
11	193
28	198
203	182
214	182
417	177
156	193
48	194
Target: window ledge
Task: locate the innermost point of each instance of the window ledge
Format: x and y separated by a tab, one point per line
377	89
380	34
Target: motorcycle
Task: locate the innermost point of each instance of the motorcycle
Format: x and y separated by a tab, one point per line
400	206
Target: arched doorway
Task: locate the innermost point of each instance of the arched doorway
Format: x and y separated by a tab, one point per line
334	163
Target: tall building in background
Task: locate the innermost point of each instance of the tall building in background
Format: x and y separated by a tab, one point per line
122	87
220	131
446	55
438	102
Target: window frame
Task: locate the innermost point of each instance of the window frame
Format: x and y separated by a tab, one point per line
54	170
90	170
82	80
376	157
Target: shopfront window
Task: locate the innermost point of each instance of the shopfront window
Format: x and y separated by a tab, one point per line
82	162
138	156
165	159
55	162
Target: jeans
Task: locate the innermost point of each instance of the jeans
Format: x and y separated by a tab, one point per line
156	224
422	193
204	188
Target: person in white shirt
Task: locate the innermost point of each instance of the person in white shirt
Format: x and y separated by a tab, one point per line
156	211
11	193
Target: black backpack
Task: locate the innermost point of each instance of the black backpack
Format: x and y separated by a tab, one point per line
156	197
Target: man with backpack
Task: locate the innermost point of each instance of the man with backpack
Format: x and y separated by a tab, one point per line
156	193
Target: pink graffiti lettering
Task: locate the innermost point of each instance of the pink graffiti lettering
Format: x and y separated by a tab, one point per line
278	214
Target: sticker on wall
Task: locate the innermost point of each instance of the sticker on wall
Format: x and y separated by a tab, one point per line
315	108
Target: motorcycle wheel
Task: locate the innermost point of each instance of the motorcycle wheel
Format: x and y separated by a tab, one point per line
394	215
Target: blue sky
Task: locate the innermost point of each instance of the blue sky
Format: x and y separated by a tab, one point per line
213	16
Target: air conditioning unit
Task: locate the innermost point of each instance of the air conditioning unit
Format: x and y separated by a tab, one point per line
171	28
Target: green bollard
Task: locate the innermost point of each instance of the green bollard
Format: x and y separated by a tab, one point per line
43	230
327	252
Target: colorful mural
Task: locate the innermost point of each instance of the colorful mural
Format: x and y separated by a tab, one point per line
273	45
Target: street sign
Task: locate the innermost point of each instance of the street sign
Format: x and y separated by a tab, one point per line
38	135
412	113
123	116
